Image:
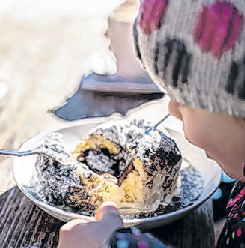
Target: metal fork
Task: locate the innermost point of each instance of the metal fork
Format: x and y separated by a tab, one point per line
18	153
157	124
53	151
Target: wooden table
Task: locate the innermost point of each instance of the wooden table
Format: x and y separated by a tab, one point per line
23	224
41	62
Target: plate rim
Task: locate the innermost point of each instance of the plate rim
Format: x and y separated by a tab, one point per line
165	218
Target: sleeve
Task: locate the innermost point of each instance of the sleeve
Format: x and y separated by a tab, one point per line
133	238
233	233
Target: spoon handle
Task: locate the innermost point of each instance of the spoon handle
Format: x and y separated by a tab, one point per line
158	123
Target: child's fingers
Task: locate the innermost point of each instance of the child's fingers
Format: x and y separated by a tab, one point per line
73	223
106	209
108	212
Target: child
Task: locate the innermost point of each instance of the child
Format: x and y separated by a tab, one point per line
195	49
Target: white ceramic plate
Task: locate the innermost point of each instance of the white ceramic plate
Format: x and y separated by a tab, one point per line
24	173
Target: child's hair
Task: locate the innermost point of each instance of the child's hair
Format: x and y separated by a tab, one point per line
195	49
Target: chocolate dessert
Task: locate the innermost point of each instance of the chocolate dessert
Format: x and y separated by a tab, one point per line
116	162
143	165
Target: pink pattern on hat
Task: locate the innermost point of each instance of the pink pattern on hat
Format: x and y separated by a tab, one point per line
218	27
151	14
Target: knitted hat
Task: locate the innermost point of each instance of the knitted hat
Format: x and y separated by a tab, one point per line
195	49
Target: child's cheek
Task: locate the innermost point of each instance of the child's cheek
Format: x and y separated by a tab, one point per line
194	135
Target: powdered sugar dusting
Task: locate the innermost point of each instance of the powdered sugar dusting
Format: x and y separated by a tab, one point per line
167	143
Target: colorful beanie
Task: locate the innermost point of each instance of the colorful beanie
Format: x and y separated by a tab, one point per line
195	49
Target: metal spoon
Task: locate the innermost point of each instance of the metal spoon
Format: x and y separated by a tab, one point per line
157	124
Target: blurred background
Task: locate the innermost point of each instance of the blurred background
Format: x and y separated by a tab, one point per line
38	8
45	48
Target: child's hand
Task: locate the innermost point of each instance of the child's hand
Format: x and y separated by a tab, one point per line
90	234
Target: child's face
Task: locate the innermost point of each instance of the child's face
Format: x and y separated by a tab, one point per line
221	136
